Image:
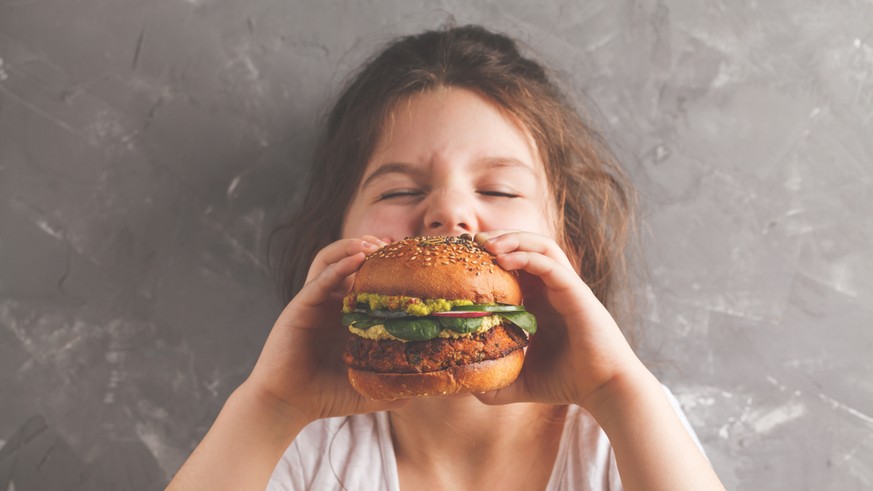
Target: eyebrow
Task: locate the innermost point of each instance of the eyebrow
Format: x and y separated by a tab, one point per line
511	162
408	169
389	168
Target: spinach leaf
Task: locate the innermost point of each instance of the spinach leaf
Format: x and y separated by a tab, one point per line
524	320
359	320
461	325
412	328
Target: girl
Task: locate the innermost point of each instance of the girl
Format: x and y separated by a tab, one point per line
443	133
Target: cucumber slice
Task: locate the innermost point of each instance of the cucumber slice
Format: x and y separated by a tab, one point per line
490	308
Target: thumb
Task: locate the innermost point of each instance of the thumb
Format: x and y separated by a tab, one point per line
507	395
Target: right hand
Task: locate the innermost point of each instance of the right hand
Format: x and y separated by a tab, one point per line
300	369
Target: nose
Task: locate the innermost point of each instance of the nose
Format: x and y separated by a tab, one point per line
449	213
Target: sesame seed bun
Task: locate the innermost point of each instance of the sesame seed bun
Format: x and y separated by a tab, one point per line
438	267
451	268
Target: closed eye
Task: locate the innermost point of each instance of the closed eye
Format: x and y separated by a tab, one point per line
400	193
499	194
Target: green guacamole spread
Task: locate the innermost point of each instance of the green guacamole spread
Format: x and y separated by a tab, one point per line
410	305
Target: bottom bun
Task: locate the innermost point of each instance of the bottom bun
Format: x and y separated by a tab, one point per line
475	377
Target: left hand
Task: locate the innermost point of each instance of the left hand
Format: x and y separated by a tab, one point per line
578	347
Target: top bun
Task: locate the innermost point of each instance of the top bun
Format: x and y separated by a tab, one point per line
438	267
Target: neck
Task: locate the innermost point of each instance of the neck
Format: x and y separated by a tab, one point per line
459	443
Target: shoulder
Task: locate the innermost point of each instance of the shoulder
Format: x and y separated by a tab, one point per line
337	453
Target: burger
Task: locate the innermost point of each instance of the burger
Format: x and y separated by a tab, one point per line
434	316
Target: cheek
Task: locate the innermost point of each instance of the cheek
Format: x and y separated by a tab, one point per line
549	216
525	218
381	222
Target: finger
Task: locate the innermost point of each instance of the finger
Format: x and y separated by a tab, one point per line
347	284
560	280
343	248
319	290
482	237
339	250
513	393
503	242
553	274
375	240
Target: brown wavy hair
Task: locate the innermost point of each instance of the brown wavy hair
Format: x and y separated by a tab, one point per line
594	198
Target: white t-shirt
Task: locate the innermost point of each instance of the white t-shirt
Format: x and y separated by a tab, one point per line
356	453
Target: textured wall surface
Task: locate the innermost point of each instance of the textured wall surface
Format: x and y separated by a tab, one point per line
147	149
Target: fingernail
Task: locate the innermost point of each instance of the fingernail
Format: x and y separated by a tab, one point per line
368	246
481	237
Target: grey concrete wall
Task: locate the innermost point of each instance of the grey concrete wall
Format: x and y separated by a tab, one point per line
148	148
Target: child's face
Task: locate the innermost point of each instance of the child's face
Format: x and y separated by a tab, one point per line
450	162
